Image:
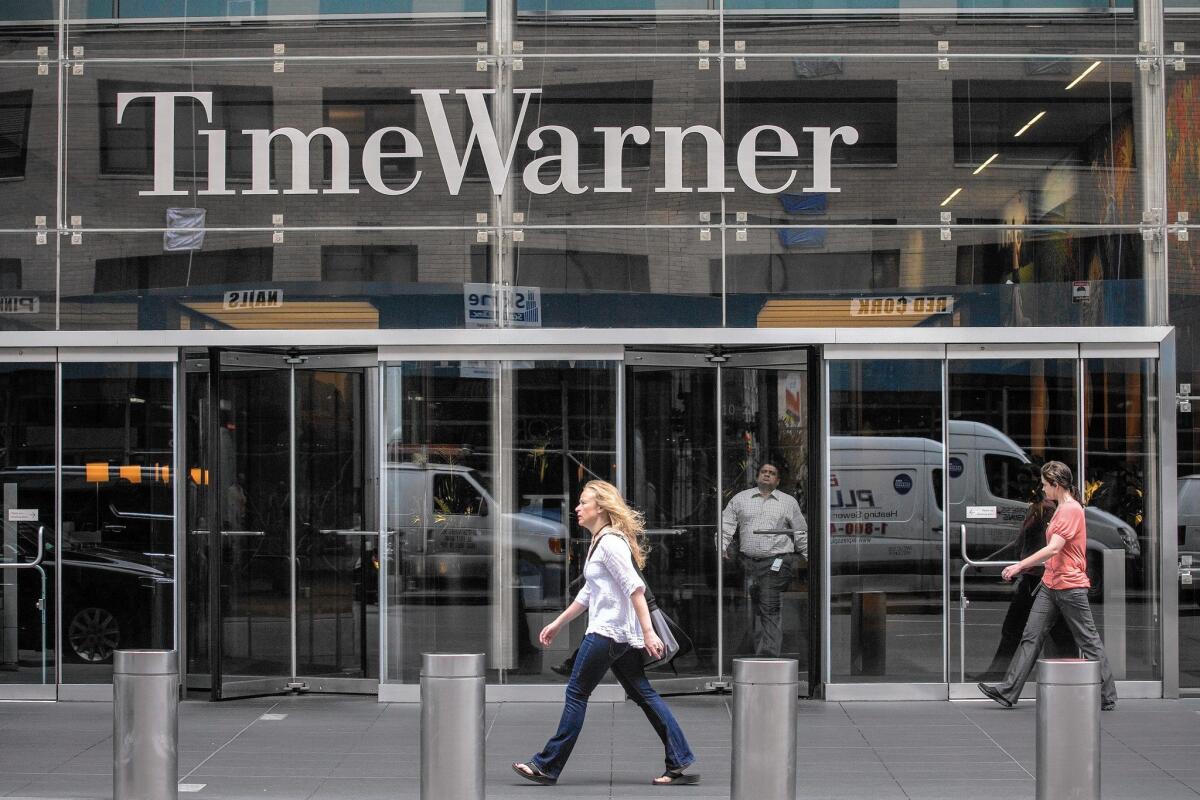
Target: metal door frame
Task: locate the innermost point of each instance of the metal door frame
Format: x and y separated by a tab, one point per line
290	361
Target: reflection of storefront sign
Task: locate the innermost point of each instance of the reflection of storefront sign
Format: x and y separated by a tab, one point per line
791	392
518	306
1081	291
244	299
559	170
20	304
901	305
22	515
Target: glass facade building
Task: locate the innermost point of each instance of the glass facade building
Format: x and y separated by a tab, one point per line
316	315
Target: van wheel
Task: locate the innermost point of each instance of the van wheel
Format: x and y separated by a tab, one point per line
1095	573
93	634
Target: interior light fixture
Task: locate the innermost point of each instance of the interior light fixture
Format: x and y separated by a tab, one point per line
1030	124
984	165
951	196
1083	75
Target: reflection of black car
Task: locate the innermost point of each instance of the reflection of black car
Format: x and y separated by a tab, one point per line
116	564
111	599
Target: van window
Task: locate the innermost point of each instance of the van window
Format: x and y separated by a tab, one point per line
936	477
454	494
1009	477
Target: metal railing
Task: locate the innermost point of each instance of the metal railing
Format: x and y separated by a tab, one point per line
36	564
969	563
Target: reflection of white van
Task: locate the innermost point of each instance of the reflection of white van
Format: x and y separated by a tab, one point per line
443	518
886	507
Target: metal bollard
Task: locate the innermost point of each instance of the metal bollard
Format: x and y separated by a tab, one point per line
764	728
452	693
1068	729
145	725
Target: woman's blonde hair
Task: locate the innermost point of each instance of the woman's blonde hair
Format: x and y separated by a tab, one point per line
626	521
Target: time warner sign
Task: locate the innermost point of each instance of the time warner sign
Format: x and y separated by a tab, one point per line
543	175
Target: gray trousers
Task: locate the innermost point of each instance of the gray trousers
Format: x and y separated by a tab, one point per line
1048	606
764	587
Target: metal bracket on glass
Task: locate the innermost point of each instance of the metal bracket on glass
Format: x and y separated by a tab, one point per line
1149	67
39	223
968	562
1184	398
943	65
43	55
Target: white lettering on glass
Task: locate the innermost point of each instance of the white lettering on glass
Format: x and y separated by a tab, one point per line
545	174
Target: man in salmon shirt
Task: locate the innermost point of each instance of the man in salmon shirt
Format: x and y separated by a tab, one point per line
1063	591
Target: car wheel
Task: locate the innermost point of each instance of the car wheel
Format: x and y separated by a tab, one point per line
93	634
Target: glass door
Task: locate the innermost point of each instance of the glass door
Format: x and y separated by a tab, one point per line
292	568
27	554
700	426
1007	417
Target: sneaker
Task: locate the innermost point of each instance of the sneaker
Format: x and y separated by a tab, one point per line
994	693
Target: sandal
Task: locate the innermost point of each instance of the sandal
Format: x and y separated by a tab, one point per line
676	777
531	773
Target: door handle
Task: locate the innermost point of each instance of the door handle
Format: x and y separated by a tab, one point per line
37	562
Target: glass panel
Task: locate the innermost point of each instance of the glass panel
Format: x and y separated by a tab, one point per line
671	446
886	521
1181	23
873	277
28	136
626	184
1001	142
967	26
1007	418
336	557
564	435
27	282
629	278
223	28
118	176
451	497
1184	263
118	521
441	515
765	423
312	279
25	27
1120	426
256	577
27	594
1183	127
618	26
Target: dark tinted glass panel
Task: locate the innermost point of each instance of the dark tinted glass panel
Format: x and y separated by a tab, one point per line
27	593
118	524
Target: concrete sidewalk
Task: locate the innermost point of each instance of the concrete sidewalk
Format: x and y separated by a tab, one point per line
329	748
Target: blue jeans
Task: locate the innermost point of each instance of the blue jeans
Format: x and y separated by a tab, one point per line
597	654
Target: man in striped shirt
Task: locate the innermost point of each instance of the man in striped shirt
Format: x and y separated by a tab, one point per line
771	532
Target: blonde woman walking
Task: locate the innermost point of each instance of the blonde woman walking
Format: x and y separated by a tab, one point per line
619	635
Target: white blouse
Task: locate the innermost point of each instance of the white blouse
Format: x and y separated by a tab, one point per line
610	581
